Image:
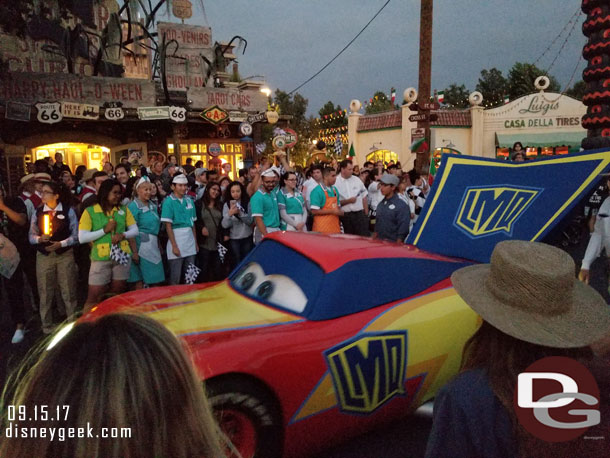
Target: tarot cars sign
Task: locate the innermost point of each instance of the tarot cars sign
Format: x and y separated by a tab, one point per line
227	98
475	203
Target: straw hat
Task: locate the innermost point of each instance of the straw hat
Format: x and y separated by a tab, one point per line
529	291
28	177
42	176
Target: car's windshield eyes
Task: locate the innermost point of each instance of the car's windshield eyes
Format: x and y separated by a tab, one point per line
249	277
276	289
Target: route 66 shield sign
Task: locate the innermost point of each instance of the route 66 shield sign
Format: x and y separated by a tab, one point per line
49	113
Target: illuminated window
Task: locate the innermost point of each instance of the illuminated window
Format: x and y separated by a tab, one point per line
382	155
193	148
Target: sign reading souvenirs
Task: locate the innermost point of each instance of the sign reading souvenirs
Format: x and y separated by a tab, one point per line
177	114
227	98
215	115
214	149
182	9
18	111
185	67
79	110
32	87
49	112
153	113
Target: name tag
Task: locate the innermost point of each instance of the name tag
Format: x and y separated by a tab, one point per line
60	216
121	212
392	207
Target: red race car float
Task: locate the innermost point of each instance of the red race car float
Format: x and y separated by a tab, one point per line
314	339
294	363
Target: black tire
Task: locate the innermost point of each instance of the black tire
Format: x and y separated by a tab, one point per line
237	396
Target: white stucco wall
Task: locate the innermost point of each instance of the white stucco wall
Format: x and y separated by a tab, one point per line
540	113
389	139
459	136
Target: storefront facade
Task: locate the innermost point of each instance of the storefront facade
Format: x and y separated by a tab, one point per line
546	123
90	120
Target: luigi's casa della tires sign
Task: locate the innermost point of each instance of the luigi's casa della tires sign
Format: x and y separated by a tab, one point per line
543	119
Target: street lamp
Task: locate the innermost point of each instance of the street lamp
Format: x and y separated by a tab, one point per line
265	90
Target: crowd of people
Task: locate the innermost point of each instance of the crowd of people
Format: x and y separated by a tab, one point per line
84	235
130	227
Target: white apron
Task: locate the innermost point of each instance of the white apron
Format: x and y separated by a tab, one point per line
149	248
185	241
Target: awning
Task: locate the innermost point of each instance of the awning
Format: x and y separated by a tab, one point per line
571	139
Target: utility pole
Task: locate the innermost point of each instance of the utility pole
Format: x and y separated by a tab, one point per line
422	162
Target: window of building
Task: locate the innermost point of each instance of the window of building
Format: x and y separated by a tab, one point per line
383	155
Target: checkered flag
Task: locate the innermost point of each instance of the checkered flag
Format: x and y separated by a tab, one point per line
222	251
118	255
338	145
192	272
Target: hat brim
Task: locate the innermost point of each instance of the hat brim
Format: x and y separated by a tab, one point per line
587	321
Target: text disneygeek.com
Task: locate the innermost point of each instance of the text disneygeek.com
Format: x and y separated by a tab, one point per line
62	433
19	416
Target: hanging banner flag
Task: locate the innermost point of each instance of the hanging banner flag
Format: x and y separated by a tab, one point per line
440	96
475	203
352	153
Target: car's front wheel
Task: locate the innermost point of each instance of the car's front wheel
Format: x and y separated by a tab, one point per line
248	415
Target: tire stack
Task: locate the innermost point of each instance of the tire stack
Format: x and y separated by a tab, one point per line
597	74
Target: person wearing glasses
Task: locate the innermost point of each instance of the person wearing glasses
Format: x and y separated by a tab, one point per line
291	203
54	232
393	214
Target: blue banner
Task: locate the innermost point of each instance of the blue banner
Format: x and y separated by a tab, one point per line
475	203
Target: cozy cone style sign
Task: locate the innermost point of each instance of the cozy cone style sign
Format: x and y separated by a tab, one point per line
214	114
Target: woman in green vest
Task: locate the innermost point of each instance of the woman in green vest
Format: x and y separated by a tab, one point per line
107	225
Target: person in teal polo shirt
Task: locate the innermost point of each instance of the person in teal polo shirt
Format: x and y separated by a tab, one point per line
178	214
291	204
264	206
